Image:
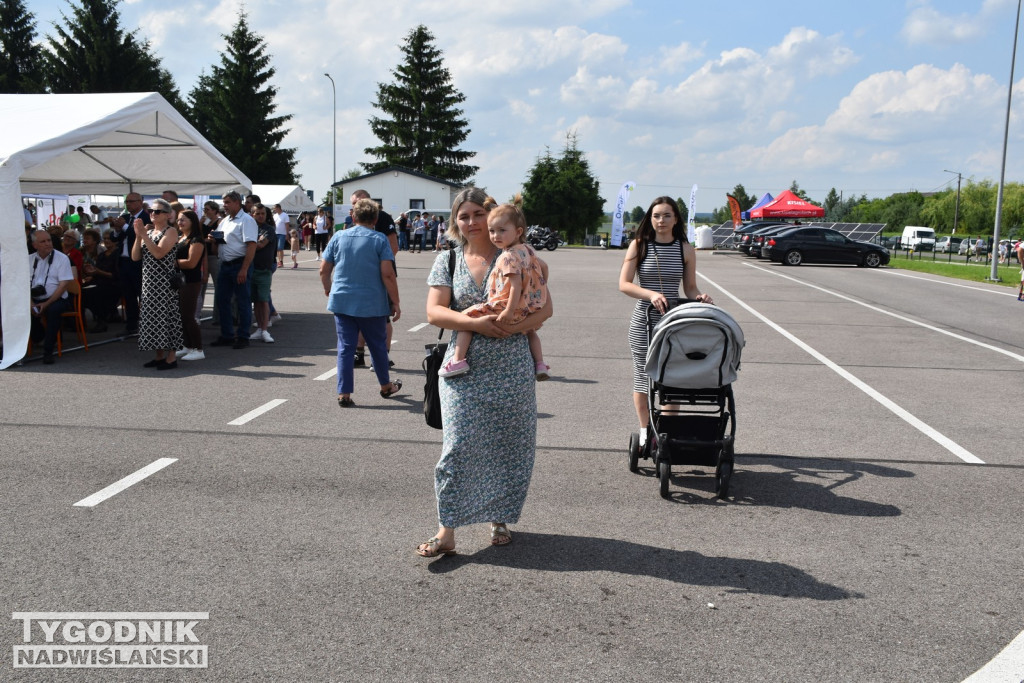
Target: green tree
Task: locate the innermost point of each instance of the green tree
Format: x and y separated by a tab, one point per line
92	53
21	58
637	214
233	107
684	209
421	126
795	189
562	193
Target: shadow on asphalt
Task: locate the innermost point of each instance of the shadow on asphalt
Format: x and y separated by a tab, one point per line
809	485
557	553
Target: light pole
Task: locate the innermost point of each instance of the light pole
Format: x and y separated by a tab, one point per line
334	139
994	275
956	211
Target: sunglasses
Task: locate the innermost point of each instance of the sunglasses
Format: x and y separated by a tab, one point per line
158	211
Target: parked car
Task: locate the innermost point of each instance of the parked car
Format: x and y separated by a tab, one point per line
888	241
970	246
742	236
757	241
822	245
947	244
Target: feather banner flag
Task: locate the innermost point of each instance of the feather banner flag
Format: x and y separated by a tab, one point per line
691	224
734	206
620	208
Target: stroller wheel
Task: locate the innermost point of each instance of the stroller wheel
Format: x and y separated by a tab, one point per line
722	475
634	452
664	474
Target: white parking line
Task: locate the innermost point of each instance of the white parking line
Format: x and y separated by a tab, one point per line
327	375
1006	667
932	433
253	414
954	335
418	327
948	284
118	486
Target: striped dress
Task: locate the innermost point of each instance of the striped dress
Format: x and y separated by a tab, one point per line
661	271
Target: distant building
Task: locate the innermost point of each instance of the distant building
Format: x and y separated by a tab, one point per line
401	190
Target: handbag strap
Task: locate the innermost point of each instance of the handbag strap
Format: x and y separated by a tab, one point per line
451	275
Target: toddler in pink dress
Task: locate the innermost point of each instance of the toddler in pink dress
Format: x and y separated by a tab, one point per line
517	286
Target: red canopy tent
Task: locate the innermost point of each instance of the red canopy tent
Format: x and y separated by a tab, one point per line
788	205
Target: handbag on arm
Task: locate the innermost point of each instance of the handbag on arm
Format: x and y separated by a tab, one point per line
433	362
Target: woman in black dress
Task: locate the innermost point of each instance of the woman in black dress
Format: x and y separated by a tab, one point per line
159	318
190	254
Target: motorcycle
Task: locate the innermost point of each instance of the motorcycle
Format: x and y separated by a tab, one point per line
542	238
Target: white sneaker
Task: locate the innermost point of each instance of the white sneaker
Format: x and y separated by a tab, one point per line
257	335
276	318
194	354
267	339
184	351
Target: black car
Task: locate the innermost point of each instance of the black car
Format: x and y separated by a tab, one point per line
822	245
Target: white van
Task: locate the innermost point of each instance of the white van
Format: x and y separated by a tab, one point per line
918	238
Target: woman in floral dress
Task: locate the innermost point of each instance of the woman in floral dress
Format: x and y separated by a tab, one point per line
490	414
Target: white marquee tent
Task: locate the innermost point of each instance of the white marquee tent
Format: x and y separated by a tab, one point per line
292	198
109	143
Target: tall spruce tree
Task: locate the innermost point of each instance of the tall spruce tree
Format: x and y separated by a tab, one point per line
563	194
422	125
21	59
93	53
233	107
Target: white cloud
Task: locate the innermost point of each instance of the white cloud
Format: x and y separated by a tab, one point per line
926	25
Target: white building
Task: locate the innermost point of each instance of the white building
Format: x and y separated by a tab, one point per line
400	190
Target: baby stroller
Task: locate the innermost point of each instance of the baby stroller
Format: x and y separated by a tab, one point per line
692	358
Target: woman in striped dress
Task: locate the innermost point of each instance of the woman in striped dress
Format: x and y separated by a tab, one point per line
661	259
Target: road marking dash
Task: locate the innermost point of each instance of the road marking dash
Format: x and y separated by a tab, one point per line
253	414
118	486
327	375
418	327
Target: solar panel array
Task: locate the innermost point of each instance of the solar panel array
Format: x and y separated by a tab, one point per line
863	232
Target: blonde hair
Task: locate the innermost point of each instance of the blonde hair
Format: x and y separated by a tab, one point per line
365	212
514	211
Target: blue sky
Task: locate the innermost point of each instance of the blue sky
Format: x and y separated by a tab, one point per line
872	97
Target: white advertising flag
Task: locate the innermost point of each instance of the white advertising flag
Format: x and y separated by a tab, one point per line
691	226
620	208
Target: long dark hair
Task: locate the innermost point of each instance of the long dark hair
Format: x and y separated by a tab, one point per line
645	231
195	228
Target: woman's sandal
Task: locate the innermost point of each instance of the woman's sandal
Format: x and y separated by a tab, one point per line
396	386
432	548
346	402
500	535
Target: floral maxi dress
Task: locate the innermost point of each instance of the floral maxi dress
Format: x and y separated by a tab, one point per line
489	415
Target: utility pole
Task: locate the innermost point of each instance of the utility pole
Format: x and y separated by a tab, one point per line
956	211
334	139
1002	173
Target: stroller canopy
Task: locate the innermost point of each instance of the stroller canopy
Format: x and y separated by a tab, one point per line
695	346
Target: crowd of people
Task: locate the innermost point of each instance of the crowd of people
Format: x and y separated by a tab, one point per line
155	261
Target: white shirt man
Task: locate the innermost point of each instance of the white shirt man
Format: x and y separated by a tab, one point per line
282	224
51	270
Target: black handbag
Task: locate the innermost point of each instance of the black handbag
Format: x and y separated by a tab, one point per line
432	363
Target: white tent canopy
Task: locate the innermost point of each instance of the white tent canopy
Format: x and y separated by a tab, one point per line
108	143
292	198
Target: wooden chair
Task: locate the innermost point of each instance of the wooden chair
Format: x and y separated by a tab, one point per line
74	311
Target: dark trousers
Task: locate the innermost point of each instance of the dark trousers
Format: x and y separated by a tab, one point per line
417	245
228	287
53	321
129	275
321	240
188	301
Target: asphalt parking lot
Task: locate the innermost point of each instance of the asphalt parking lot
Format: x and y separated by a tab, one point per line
872	532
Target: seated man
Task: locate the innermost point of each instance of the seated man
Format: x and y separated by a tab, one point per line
51	275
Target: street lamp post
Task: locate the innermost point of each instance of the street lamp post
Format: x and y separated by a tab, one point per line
956	211
994	275
334	139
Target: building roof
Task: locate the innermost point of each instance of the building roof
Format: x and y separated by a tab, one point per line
400	169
